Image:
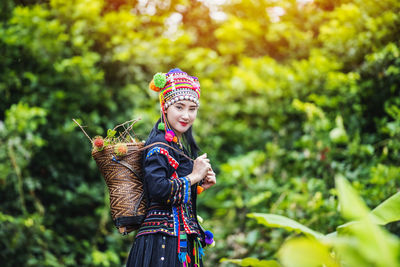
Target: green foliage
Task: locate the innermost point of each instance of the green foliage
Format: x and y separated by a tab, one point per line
357	243
290	100
19	141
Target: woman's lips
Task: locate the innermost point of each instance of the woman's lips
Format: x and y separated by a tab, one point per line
183	123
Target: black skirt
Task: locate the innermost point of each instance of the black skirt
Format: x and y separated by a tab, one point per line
159	250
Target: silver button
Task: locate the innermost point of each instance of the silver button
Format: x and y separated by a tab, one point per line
162	258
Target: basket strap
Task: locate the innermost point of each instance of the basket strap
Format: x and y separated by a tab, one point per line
138	202
127	165
164	144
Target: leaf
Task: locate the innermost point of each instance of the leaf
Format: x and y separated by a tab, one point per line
111	133
305	252
388	211
253	262
370	243
350	204
272	220
338	134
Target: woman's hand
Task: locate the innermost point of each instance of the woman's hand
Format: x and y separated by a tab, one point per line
210	179
200	169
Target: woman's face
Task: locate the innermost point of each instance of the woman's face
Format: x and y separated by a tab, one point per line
181	116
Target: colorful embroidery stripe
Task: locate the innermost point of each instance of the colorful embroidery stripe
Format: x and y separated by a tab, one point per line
178	85
164	152
187	189
176	220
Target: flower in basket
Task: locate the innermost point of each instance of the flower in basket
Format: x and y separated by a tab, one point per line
121	149
98	143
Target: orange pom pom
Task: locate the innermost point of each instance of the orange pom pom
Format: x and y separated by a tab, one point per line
200	189
153	87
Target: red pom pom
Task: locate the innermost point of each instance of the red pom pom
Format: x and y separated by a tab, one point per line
169	137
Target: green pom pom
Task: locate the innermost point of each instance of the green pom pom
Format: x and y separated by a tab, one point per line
160	80
161	126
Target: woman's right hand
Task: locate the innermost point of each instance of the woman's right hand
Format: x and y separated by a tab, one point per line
200	168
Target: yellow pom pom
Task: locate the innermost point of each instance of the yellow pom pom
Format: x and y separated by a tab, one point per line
153	87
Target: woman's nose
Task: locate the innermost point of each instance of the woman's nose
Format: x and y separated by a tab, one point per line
185	114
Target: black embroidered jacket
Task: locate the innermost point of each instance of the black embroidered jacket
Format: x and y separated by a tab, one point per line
172	201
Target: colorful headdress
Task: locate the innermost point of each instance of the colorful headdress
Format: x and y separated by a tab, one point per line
174	86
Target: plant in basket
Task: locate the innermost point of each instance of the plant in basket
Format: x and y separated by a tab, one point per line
119	160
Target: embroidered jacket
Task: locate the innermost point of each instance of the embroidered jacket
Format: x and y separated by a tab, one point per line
172	201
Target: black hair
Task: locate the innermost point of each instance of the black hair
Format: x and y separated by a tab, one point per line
190	143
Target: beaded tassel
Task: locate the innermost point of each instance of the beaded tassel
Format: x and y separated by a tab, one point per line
182	253
200	252
164	126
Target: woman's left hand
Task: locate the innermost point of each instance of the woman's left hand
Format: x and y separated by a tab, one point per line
209	180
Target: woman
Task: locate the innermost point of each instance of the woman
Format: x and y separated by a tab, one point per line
170	235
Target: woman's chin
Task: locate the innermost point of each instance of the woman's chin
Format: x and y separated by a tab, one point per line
182	129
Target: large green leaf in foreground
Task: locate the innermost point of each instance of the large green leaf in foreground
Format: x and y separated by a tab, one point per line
273	220
252	262
388	211
305	252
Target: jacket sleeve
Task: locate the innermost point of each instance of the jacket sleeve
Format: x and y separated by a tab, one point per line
160	184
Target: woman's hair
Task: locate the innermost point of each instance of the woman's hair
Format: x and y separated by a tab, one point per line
192	146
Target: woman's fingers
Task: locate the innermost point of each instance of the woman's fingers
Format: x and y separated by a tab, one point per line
209	181
202	168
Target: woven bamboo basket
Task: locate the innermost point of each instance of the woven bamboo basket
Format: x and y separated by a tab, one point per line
123	176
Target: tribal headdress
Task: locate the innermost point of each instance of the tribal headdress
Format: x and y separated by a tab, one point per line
174	86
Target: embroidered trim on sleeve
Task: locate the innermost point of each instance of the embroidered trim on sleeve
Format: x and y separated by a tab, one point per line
164	152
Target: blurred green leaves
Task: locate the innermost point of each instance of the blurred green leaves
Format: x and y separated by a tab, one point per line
293	95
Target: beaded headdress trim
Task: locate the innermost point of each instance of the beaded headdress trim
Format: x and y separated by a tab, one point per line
174	86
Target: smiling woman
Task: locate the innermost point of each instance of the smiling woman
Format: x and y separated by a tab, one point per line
171	235
181	116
